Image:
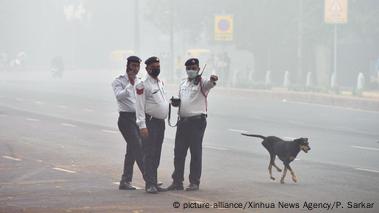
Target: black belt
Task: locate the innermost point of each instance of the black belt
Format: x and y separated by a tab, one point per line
201	116
149	117
127	113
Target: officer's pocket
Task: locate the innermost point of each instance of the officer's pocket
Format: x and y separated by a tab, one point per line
194	91
157	97
202	124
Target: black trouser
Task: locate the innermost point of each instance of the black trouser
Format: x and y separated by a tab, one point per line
152	147
189	134
130	131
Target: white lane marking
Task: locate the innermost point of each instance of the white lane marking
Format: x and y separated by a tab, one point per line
365	148
118	183
67	124
109	131
32	119
215	148
11	158
64	170
88	110
367	170
237	130
39	102
62	106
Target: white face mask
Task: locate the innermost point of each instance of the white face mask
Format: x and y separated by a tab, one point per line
191	73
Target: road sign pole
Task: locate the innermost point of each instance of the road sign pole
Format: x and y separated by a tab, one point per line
335	13
335	53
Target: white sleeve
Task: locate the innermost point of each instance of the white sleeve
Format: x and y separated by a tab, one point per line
180	85
120	93
207	85
140	105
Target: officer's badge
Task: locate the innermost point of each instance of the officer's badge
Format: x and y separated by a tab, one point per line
139	89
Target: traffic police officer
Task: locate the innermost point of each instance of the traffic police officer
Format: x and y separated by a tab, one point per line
193	92
123	87
152	110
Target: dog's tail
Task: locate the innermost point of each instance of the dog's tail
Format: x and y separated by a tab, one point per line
256	136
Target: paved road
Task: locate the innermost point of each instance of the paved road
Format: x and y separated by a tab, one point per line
60	151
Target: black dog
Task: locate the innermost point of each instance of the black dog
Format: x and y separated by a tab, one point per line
285	150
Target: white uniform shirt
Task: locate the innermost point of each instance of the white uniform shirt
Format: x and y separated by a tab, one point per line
151	99
194	97
125	93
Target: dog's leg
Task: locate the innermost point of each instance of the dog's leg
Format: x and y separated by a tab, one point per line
270	171
284	174
294	178
277	168
272	162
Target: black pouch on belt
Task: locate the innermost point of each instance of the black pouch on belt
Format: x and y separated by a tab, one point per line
175	102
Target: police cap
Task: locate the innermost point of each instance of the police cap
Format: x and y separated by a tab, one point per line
151	60
134	58
192	61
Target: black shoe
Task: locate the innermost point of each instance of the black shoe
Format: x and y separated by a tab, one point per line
175	186
192	187
151	189
126	186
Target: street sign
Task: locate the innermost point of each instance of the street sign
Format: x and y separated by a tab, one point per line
335	11
223	28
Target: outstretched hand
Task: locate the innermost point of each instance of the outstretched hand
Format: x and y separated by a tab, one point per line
214	78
